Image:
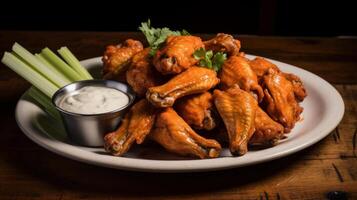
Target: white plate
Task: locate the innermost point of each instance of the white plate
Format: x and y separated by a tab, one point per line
323	110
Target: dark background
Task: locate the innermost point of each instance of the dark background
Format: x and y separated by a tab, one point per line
270	17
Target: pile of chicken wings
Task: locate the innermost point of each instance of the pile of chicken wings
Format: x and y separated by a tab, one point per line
194	111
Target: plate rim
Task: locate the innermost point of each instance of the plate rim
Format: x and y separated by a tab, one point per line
174	166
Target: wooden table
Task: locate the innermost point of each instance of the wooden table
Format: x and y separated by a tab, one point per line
28	171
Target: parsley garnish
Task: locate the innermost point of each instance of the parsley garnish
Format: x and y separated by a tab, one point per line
209	60
157	36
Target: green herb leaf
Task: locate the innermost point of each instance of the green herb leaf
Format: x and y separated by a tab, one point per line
157	36
199	53
209	60
218	60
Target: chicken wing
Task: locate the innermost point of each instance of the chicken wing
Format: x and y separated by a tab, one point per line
280	99
135	126
223	43
267	131
141	74
261	66
116	59
176	55
192	81
298	87
237	109
197	110
236	70
175	135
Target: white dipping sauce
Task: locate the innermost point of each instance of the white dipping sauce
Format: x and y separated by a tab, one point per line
93	100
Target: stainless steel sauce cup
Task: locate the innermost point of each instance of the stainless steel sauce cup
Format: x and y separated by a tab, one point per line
89	129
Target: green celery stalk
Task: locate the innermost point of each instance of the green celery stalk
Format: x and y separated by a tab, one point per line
43	59
45	102
38	65
53	68
28	73
73	62
60	65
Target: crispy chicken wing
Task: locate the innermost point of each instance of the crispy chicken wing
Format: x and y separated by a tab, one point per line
197	110
176	55
192	81
261	66
223	43
298	87
175	135
236	70
237	109
280	99
116	59
135	126
267	131
141	74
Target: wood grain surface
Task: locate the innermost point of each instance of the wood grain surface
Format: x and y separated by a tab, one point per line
327	170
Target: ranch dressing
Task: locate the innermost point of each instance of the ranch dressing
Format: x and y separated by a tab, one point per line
93	100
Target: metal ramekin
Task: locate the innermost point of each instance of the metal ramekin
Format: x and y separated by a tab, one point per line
89	129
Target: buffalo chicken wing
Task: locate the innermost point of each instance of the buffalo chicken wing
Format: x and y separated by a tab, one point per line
236	70
197	110
192	81
298	87
176	55
135	126
223	43
175	135
267	131
141	74
279	97
116	59
261	66
237	109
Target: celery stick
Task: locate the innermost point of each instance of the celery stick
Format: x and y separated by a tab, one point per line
31	75
60	65
43	59
53	68
38	65
45	102
73	62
